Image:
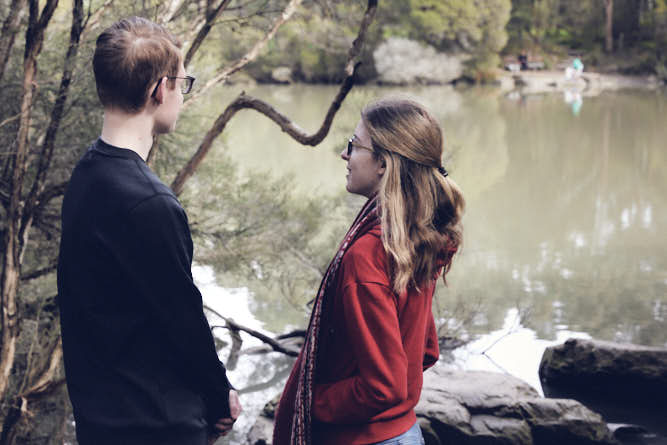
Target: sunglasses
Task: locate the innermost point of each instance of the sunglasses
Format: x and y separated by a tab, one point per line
186	86
351	144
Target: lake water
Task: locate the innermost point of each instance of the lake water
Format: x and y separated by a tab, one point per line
564	228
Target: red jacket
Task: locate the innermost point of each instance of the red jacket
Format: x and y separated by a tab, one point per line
374	346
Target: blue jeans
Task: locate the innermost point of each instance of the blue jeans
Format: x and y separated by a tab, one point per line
413	436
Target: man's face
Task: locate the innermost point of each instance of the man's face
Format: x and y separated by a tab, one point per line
172	101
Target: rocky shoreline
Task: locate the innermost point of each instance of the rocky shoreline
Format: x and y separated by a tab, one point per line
478	407
588	84
403	62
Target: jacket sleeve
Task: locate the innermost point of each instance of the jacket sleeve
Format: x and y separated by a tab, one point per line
160	263
371	319
431	351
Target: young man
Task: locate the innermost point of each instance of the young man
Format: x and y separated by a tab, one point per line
140	360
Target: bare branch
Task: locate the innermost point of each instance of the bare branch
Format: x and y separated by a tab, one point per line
231	324
9	119
50	193
93	19
56	116
292	334
212	15
173	7
9	30
47	381
244	101
40	272
250	55
14	237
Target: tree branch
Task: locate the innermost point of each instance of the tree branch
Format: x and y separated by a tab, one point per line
92	20
231	324
10	28
13	243
211	16
249	56
56	116
40	272
11	118
244	101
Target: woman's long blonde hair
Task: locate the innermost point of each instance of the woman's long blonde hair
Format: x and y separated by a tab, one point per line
420	207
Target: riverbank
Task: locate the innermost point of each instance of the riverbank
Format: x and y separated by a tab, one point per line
526	82
588	83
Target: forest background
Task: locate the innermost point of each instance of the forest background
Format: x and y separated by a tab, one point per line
49	113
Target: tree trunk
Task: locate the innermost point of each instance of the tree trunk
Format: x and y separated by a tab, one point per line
16	232
11	264
609	27
9	30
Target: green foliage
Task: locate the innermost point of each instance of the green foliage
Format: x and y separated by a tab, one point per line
560	26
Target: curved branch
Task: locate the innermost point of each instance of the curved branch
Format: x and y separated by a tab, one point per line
244	101
232	325
250	55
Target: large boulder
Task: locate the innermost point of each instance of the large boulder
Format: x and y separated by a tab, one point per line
282	74
477	407
400	61
615	370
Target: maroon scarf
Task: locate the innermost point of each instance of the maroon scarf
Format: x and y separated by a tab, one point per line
293	416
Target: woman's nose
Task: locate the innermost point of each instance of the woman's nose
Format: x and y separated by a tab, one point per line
343	154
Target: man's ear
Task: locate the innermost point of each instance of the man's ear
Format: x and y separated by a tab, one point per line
159	87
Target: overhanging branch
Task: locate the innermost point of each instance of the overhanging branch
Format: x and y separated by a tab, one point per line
244	101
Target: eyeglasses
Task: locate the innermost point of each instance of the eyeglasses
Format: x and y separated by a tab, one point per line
186	86
351	144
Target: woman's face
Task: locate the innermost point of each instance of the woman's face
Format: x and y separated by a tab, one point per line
363	170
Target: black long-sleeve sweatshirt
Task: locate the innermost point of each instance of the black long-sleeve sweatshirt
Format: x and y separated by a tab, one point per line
140	360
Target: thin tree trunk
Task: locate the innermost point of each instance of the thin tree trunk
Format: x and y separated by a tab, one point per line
14	234
212	15
9	30
609	26
49	143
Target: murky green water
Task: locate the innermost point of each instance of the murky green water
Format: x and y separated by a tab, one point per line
566	213
565	229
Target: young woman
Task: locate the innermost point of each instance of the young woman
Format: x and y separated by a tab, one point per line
371	334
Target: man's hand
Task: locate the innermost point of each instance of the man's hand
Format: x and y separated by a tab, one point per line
235	407
224	426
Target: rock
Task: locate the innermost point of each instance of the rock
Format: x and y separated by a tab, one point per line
476	407
627	432
282	74
615	370
400	61
261	432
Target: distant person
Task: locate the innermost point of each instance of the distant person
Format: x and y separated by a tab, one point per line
371	333
140	360
523	60
574	71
